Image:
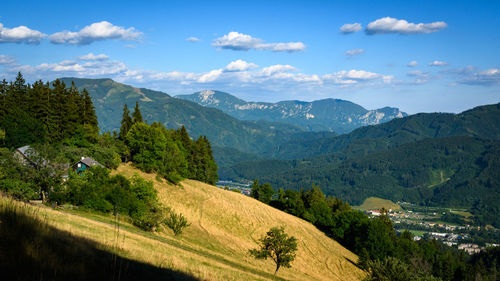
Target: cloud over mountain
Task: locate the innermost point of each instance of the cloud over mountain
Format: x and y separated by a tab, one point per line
240	65
242	42
389	25
95	32
471	76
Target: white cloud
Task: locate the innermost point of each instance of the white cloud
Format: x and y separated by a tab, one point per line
50	71
95	32
6	59
210	76
20	34
193	39
243	42
236	41
238	76
283	47
471	76
92	57
240	65
270	70
438	63
349	28
412	63
354	52
353	77
420	77
418	73
392	25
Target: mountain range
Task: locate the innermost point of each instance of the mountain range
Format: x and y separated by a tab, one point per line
231	137
222	130
332	115
429	158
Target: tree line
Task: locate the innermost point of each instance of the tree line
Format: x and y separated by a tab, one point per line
44	113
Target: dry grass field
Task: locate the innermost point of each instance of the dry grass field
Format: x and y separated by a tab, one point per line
224	226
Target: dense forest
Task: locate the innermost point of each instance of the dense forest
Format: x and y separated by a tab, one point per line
451	171
60	126
428	159
386	255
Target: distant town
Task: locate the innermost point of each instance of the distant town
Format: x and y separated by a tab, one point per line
427	222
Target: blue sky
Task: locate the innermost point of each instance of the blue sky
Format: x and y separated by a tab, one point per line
420	56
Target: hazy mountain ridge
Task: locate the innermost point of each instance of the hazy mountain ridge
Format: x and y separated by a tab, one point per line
335	115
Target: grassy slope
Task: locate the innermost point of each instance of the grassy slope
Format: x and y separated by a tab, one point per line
227	224
375	203
215	247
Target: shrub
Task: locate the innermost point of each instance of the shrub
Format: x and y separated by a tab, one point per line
176	222
18	189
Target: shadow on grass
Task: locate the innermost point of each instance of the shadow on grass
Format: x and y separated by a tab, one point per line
30	249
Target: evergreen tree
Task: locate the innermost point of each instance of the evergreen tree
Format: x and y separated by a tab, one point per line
88	111
126	123
137	116
56	125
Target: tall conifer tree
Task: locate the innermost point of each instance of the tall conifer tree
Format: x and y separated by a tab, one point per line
88	111
137	114
126	123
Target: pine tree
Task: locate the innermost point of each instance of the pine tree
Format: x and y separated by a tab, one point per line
88	111
72	109
56	124
137	116
126	123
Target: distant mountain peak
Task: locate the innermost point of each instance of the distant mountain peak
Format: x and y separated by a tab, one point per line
328	114
208	96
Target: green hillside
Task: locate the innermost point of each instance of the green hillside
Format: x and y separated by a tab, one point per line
109	97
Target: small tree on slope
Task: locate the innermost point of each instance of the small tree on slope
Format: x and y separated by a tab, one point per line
278	246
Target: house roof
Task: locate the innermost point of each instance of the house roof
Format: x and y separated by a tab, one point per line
31	155
90	162
25	150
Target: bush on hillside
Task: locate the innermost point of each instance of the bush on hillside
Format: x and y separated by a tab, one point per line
176	222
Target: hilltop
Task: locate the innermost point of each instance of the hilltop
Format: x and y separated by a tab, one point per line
224	226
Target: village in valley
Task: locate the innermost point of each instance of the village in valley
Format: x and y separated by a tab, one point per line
432	222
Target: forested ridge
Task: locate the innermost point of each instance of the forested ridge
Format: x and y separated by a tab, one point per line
428	159
477	122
